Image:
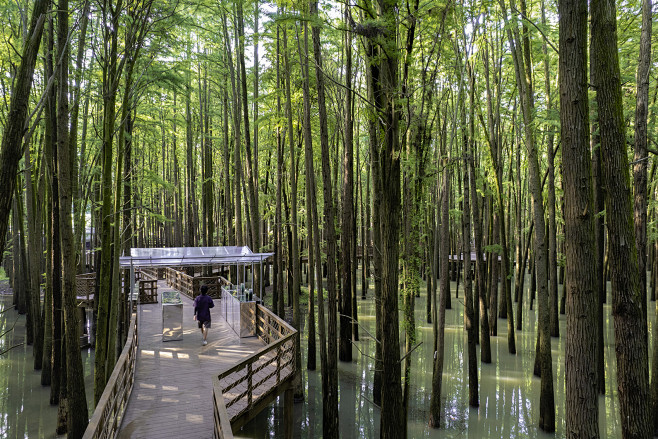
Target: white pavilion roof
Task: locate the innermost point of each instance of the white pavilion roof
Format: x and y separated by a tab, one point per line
185	256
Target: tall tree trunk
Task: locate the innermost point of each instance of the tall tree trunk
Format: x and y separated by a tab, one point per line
294	251
547	406
252	177
599	221
237	174
312	213
277	290
469	314
552	231
640	158
439	328
178	224
12	137
630	325
34	250
23	277
208	184
190	162
330	372
55	260
347	220
78	203
506	308
386	96
104	351
372	78
48	351
582	410
480	264
77	415
259	234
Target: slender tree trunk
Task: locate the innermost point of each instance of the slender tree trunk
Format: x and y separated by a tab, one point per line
439	335
494	287
34	250
79	203
330	372
294	250
640	158
315	262
12	137
552	231
208	184
547	406
48	351
55	261
104	351
190	162
77	416
347	220
469	324
251	177
480	264
278	247
372	74
599	206
237	174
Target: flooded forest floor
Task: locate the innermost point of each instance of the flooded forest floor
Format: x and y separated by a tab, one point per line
509	392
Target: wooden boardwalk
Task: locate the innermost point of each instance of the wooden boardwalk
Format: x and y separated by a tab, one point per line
173	391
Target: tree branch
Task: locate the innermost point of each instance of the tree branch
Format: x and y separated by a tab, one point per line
537	27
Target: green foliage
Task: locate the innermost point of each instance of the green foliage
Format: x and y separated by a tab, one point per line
494	248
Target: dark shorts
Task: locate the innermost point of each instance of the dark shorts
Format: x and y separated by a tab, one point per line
205	324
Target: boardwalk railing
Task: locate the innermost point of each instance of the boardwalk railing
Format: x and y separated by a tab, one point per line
189	285
109	411
242	391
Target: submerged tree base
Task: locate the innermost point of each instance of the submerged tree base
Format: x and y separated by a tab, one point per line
509	392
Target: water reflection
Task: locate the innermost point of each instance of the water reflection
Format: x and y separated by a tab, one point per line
25	411
509	393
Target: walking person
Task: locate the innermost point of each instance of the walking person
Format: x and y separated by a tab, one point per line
202	305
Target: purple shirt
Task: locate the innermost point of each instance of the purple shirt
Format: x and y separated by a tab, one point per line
202	305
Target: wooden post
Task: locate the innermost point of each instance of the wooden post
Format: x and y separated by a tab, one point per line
288	412
249	385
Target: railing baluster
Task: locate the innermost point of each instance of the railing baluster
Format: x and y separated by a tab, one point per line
249	385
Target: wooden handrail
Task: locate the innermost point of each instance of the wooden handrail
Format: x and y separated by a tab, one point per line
222	421
109	411
261	375
189	285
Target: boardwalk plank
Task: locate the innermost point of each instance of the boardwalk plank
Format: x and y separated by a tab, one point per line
172	395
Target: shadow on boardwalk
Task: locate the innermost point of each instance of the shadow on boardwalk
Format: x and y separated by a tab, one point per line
172	394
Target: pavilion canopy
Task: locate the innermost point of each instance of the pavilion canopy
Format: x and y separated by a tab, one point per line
186	256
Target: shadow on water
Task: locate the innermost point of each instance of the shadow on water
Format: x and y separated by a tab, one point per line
25	411
509	393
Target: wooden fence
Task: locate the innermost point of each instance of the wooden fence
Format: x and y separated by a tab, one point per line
109	411
242	391
152	272
148	291
85	286
190	286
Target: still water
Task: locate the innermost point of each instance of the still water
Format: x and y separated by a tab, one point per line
25	411
509	393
